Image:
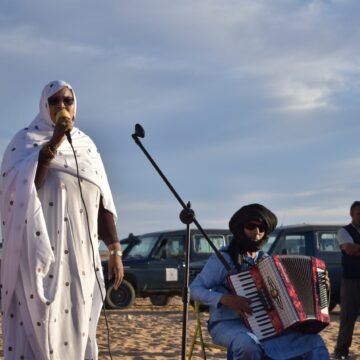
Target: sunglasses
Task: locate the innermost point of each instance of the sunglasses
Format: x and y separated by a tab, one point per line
253	226
55	100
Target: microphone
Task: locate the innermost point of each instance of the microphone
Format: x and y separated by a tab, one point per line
139	133
68	136
64	114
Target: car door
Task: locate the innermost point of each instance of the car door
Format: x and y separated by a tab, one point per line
328	250
165	271
201	250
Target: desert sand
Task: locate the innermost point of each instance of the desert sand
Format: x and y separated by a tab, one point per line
145	332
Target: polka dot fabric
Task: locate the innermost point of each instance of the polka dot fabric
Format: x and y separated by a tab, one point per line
49	290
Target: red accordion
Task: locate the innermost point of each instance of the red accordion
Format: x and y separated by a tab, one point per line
286	291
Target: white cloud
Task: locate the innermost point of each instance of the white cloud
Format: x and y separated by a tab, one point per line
301	97
24	41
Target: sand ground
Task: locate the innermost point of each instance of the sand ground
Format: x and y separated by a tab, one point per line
145	332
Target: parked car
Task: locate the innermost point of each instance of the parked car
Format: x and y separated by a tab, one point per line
154	265
312	240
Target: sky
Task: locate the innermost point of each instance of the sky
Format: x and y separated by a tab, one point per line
242	101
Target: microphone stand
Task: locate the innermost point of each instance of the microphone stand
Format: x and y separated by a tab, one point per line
187	216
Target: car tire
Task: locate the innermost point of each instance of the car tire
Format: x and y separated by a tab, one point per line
122	297
159	300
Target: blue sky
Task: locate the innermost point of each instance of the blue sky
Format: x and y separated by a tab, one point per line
242	101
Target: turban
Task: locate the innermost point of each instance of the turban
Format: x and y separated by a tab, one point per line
252	212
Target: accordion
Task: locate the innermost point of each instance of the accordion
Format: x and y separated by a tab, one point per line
286	292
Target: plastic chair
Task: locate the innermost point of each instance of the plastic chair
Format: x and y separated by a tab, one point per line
198	338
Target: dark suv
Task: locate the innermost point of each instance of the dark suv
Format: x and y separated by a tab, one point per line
313	240
154	265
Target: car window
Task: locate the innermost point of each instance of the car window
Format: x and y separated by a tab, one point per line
201	245
170	247
292	244
271	239
142	247
175	246
327	242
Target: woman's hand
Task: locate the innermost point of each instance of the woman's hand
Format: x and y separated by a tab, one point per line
240	304
63	124
115	266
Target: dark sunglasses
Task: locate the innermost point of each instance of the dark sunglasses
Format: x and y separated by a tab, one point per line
253	226
67	100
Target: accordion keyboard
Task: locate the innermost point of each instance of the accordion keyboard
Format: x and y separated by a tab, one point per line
322	290
260	321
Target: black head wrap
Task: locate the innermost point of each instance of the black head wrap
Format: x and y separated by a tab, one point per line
253	212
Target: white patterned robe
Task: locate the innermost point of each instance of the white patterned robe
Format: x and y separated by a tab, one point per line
51	299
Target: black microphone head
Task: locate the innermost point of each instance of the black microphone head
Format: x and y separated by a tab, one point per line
139	131
68	136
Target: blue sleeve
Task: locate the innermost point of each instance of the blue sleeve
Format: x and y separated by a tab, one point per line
209	285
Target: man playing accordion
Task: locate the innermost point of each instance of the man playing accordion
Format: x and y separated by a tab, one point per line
250	226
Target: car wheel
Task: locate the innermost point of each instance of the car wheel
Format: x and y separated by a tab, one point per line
159	300
122	297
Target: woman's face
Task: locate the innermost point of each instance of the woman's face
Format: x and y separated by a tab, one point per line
254	230
63	99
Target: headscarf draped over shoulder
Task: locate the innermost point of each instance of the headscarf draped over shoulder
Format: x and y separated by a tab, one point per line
26	144
30	139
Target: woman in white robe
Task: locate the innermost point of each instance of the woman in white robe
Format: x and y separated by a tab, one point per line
54	208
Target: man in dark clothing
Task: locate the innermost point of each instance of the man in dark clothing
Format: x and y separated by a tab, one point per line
348	238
